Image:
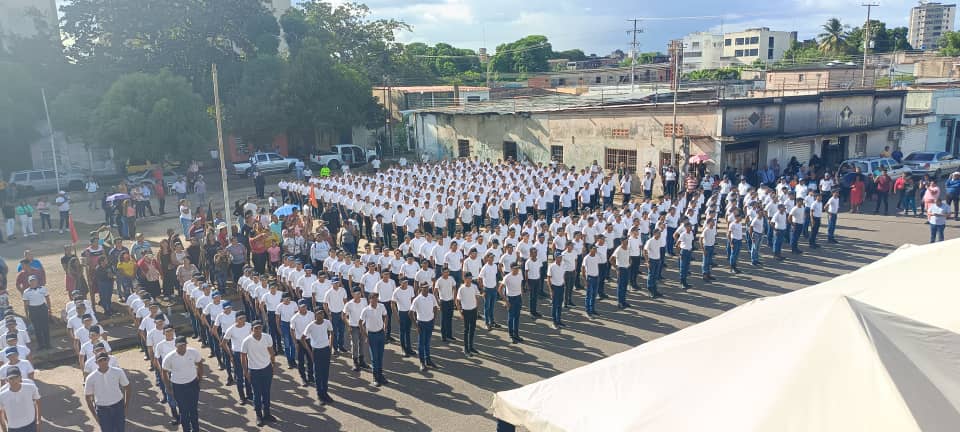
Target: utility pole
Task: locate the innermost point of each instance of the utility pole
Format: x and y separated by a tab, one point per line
223	155
676	54
633	52
53	142
866	42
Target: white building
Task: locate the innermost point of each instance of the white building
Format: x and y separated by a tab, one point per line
755	44
928	21
20	18
703	50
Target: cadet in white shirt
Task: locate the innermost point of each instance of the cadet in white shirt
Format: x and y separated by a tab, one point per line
19	403
466	302
235	334
182	371
532	268
423	309
384	290
372	323
297	325
833	208
257	357
37	303
708	240
621	260
358	340
319	333
816	214
333	303
285	312
651	251
685	237
511	289
402	299
160	350
107	391
444	289
591	271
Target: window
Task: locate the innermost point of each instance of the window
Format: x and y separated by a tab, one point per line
770	54
36	175
556	153
614	157
697	44
770	42
738	53
861	146
726	42
754	52
562	82
509	150
473	98
598	80
275	157
49	174
754	40
20	177
799	77
739	41
463	148
620	133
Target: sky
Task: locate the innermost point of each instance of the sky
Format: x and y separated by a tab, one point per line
602	26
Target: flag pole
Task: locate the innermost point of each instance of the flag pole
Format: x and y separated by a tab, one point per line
223	163
53	143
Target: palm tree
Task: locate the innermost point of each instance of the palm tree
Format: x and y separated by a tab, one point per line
833	40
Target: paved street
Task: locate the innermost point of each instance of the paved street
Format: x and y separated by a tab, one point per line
457	396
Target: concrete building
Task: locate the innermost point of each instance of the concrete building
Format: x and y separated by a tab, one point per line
748	46
931	121
418	97
20	18
937	68
928	21
278	7
703	50
647	73
740	133
810	79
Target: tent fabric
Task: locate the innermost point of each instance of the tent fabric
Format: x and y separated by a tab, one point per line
877	349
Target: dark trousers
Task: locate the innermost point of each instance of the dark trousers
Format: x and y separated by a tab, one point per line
28	428
635	270
40	318
405	326
64	220
321	370
446	319
623	278
534	286
469	328
262	379
289	349
814	230
556	304
112	418
244	388
423	340
306	372
377	342
188	396
274	330
513	314
339	331
883	197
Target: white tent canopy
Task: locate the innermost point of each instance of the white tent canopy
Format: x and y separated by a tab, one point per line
873	350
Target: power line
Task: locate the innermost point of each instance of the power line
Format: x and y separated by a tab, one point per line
633	51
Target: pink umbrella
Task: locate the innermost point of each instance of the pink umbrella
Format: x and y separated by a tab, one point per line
700	158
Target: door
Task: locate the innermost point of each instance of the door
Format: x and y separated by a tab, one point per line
833	153
463	148
276	162
509	151
358	156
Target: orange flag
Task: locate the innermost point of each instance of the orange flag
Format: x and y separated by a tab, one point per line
73	231
313	197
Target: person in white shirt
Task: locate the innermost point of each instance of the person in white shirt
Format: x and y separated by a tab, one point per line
797	217
780	223
735	241
372	321
651	252
19	403
833	209
235	334
444	288
297	325
467	302
816	214
358	340
183	371
107	391
532	268
285	312
333	303
620	259
937	215
557	275
423	309
401	301
591	272
511	289
685	238
708	240
257	358
319	333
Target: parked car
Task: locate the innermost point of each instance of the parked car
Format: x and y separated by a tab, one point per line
43	181
936	164
875	165
147	177
344	154
266	162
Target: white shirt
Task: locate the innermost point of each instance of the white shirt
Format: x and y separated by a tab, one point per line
18	406
403	298
513	284
35	296
353	310
467	294
833	205
335	299
257	351
556	273
652	247
182	368
445	288
236	334
319	334
106	387
591	264
424	306
686	240
372	317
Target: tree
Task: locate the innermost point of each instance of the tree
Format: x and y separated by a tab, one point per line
256	111
22	108
150	116
73	108
571	54
529	54
833	38
949	44
884	39
712	74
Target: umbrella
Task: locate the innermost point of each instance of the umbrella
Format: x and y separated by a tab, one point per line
119	196
700	158
286	210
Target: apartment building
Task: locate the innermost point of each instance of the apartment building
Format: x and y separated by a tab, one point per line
928	21
703	50
750	45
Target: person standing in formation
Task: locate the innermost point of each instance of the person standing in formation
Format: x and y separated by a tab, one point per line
423	309
107	391
183	371
257	358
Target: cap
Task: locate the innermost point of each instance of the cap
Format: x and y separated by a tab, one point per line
241	315
105	356
302	302
10	351
256	323
13	372
159	317
87	317
11	336
227	304
216	294
181	340
308	267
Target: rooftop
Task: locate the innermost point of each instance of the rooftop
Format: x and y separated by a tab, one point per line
433	89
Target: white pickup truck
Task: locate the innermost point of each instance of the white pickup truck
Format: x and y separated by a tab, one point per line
266	162
344	154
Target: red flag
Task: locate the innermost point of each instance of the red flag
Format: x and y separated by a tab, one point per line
73	231
313	198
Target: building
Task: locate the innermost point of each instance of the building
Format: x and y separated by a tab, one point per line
748	46
647	73
809	79
740	133
73	156
703	50
928	21
937	68
418	97
20	18
931	120
278	7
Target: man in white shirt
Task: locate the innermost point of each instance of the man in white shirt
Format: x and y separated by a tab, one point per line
257	358
235	334
107	391
319	333
444	289
333	303
182	371
621	260
556	274
372	321
651	251
797	217
832	208
816	214
19	403
401	300
297	325
708	240
423	309
685	237
780	223
591	271
511	289
531	269
358	341
466	300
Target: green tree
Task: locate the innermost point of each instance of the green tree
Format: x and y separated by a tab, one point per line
833	38
529	54
949	44
712	74
73	108
22	109
150	116
571	54
255	112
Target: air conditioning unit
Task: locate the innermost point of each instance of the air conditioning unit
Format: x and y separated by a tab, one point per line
894	135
